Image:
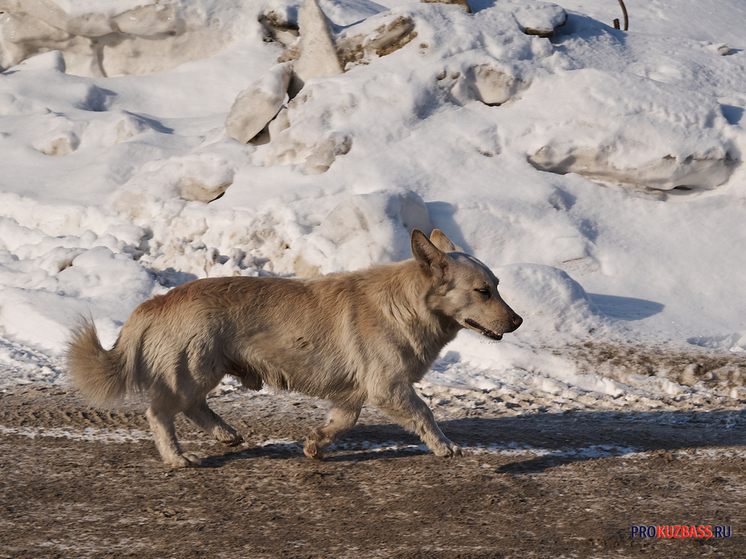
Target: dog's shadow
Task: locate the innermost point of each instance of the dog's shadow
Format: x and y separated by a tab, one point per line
533	443
545	441
341	452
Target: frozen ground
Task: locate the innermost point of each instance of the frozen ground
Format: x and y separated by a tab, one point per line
78	482
598	172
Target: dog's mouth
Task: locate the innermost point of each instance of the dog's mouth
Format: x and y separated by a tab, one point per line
482	330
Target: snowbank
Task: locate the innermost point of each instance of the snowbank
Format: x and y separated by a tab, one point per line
597	171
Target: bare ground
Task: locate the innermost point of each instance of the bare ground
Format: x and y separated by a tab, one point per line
75	482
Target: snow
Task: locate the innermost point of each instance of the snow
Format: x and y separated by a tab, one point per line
598	172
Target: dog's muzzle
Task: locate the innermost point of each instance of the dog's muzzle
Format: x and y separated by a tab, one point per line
482	330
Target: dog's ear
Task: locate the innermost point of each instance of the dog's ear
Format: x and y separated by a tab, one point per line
439	239
431	259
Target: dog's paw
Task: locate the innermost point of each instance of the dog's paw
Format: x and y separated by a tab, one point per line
194	460
185	460
312	450
233	439
450	450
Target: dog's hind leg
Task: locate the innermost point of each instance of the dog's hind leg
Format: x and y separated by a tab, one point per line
161	419
211	423
408	409
341	419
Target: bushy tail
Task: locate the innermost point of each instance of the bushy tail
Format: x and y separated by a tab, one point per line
94	371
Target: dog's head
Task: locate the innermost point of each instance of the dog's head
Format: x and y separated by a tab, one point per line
464	289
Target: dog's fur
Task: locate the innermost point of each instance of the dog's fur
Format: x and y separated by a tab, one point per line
348	338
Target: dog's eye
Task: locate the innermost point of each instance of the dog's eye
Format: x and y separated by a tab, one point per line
484	291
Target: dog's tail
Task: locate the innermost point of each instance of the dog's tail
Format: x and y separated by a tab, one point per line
96	372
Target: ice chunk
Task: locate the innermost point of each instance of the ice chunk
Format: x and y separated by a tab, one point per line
257	105
114	38
463	3
659	138
318	56
493	84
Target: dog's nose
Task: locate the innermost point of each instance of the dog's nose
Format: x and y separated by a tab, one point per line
517	321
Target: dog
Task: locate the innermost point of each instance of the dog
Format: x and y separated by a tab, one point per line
350	338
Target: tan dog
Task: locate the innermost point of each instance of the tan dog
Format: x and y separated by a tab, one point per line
349	338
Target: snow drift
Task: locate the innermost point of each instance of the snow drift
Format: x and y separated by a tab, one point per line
146	144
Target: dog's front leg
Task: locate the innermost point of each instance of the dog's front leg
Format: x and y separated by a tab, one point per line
407	408
341	419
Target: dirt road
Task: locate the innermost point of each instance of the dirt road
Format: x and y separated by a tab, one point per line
75	482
